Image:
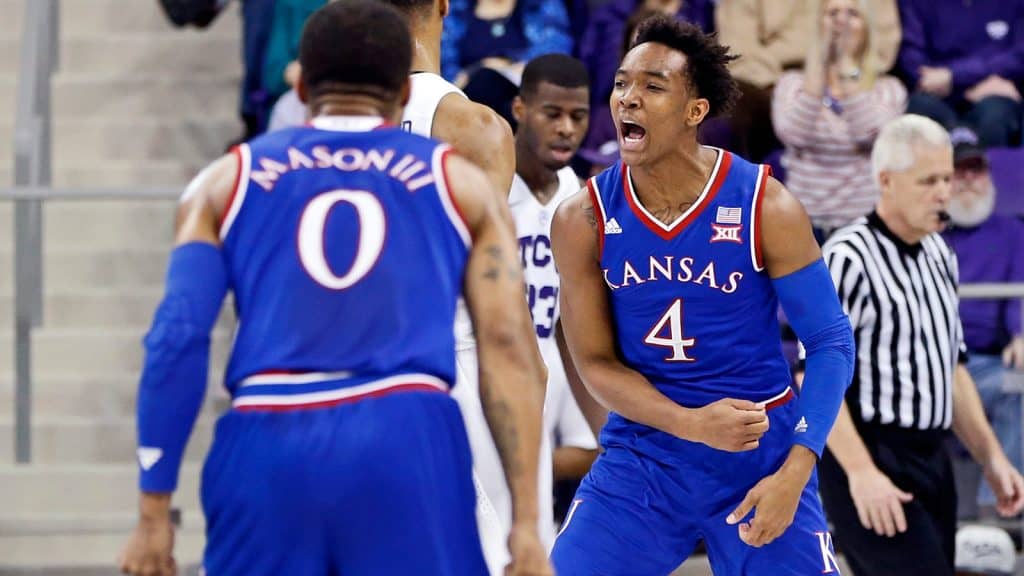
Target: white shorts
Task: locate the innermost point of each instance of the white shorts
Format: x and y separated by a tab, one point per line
494	502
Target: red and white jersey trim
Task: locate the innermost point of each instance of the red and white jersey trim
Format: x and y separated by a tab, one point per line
238	194
451	207
756	257
267	378
375	388
780	399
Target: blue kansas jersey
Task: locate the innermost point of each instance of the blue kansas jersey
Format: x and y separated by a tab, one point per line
693	310
346	257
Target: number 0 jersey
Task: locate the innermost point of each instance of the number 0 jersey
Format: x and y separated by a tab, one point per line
345	253
693	309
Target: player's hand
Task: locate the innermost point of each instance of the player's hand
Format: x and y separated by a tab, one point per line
1007	484
528	555
148	552
879	502
774	500
731	425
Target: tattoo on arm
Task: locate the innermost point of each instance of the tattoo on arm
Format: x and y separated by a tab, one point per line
495	262
588	213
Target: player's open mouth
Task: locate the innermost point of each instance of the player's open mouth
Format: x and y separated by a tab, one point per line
632	133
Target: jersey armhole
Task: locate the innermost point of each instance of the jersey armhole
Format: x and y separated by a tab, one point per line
448	202
756	257
599	215
237	198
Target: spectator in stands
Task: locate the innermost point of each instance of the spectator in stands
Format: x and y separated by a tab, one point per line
771	36
829	114
601	49
280	64
501	35
486	43
257	16
965	62
988	247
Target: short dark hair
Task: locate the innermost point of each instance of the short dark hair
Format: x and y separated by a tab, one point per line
355	46
558	69
409	5
707	61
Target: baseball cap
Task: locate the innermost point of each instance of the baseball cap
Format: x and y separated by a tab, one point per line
966	146
985	550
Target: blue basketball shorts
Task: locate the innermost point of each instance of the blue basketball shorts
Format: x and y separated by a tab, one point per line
380	486
639	515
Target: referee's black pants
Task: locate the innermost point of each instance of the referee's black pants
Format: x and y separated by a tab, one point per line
916	462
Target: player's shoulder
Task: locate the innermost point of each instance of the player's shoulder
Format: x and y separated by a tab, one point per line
576	212
459	119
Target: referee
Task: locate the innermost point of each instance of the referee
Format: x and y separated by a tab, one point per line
886	481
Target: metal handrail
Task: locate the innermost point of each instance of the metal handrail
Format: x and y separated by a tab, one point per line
32	168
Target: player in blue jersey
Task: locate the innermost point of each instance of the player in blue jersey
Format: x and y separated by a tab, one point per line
673	264
346	244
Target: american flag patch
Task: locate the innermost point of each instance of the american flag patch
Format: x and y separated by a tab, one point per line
728	215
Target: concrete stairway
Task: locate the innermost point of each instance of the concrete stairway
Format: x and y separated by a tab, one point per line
136	103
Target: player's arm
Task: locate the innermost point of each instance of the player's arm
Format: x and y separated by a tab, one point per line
594	413
732	425
513	401
483	137
480	135
804	286
808	296
174	375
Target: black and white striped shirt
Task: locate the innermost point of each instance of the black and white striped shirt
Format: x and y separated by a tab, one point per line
903	304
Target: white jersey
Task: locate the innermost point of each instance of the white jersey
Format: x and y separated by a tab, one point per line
425	95
564	423
494	502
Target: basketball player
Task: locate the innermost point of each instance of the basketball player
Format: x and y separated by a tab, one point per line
673	263
342	453
440	110
553	112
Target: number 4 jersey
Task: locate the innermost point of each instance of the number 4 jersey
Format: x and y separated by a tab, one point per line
346	256
693	309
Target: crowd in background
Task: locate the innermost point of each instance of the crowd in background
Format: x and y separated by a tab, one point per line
819	78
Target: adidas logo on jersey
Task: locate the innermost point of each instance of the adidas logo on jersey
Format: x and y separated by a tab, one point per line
801	426
612	227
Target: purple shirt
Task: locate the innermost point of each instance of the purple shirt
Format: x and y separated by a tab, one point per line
972	38
990	252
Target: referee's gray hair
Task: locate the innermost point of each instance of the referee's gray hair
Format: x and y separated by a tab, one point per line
894	148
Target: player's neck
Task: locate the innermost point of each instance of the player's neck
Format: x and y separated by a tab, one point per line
426	49
541	180
350	105
678	177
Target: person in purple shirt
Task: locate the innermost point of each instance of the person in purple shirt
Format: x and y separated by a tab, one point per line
987	246
964	62
601	49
